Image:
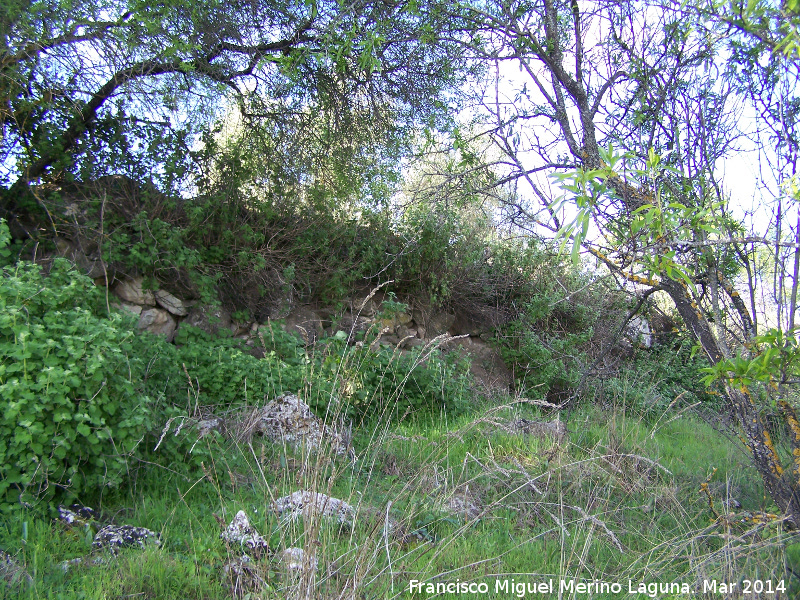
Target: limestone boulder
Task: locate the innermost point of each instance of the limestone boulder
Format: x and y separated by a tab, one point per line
159	322
638	332
241	534
287	419
131	291
172	304
76	515
116	537
306	503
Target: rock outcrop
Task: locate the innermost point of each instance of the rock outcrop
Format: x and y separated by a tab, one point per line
370	320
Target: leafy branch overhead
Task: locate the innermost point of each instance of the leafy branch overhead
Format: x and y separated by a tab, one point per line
68	68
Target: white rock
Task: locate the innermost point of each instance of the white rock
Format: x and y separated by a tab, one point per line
171	303
241	533
131	291
75	514
158	321
308	503
288	419
638	331
114	537
295	561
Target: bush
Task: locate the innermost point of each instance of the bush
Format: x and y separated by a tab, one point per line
546	345
386	384
366	382
73	413
222	372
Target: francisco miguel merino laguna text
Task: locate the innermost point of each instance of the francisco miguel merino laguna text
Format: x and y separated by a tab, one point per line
520	589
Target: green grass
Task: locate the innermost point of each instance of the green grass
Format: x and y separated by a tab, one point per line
541	511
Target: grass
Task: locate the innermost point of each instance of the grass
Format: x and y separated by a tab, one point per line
468	502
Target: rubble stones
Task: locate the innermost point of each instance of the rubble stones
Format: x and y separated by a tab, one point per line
76	514
159	322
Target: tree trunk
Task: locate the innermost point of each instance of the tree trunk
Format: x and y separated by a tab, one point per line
783	486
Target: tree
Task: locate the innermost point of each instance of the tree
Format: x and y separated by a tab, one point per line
631	106
80	80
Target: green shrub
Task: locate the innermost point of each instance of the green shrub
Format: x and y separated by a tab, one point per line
673	372
367	382
544	365
223	374
387	384
545	346
72	411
